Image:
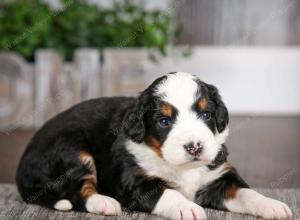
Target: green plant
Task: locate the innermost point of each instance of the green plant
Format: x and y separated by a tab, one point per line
80	24
21	26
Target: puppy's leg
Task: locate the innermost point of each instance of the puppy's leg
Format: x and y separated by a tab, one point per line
94	202
251	202
231	193
174	205
152	195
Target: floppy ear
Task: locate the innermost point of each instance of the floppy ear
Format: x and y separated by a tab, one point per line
134	125
222	117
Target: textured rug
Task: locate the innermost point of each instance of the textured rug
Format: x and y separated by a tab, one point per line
13	208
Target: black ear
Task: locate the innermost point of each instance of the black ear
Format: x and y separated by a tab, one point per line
222	117
134	123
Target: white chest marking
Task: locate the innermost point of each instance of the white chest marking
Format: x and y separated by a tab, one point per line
187	179
193	180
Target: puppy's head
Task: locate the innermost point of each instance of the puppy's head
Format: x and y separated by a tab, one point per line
182	119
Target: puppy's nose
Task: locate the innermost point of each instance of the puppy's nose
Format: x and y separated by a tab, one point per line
193	149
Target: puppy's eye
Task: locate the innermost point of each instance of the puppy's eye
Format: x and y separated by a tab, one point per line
165	122
205	116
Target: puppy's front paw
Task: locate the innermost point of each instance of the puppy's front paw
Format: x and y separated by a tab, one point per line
185	210
251	202
104	205
273	209
173	205
188	210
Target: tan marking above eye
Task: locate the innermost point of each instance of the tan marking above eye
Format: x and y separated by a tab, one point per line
166	109
202	104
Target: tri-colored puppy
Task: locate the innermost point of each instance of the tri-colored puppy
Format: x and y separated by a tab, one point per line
162	153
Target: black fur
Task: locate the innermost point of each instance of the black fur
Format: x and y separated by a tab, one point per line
50	168
220	159
215	106
134	192
221	112
53	152
214	195
134	123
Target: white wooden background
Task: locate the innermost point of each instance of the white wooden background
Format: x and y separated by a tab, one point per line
251	80
228	22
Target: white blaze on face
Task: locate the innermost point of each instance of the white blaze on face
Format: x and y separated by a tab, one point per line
180	90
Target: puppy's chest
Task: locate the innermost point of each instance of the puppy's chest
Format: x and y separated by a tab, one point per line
188	182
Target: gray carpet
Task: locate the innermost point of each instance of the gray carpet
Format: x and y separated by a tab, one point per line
13	208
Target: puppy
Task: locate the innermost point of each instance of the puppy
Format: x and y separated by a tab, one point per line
162	153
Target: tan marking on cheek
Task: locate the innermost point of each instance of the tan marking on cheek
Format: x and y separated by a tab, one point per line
166	110
154	144
202	104
89	185
231	192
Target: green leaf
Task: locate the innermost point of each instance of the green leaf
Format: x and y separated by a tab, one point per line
27	25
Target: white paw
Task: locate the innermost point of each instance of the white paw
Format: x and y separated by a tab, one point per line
63	205
174	205
251	202
104	205
188	210
273	209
